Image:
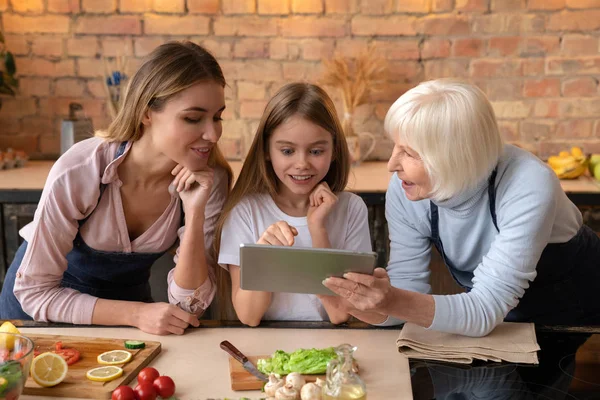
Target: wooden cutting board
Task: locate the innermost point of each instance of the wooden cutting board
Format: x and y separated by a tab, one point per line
244	380
76	384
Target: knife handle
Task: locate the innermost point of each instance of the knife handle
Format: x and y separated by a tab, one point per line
233	351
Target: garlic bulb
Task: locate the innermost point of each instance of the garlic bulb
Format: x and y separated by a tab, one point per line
273	384
286	392
296	380
310	391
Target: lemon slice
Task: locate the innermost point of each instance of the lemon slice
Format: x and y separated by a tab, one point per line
8	341
104	374
114	357
49	369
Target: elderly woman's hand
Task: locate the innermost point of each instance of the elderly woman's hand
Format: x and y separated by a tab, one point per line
371	293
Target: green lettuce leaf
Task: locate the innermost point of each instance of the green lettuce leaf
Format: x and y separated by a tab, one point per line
303	361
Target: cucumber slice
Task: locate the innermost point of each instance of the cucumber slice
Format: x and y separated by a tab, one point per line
134	344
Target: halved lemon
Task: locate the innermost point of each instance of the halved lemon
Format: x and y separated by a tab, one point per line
49	369
8	341
114	357
104	374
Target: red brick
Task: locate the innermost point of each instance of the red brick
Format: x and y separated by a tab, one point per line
258	71
278	49
471	5
546	4
169	25
50	145
442	25
59	106
582	107
307	6
133	64
496	68
572	66
144	45
41	67
402	49
533	23
244	26
117	46
414	6
273	7
69	87
503	46
90	68
18	107
113	25
135	6
405	71
42	24
580	87
509	130
533	66
98	6
546	87
508	5
340	6
575	128
467	47
219	48
252	109
583	21
504	89
27	143
34	86
28	6
546	108
390	92
96	88
512	109
300	71
250	91
390	26
10	126
64	6
316	49
17	44
435	48
251	48
447	68
311	27
204	6
47	46
3	5
351	47
534	46
36	125
239	6
597	132
442	5
583	3
497	23
537	130
169	6
85	46
579	45
376	7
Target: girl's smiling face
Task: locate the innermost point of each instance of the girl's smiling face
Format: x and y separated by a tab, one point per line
409	167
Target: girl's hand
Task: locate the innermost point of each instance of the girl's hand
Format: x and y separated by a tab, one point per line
164	319
322	201
279	234
193	187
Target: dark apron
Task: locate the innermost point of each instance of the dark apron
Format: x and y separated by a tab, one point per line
107	275
565	290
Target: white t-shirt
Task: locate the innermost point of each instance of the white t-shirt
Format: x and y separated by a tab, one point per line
348	229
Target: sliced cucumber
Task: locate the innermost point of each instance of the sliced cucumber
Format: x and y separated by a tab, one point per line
134	344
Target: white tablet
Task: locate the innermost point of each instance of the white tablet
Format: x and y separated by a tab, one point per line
298	269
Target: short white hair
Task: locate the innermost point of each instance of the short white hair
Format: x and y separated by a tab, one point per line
452	126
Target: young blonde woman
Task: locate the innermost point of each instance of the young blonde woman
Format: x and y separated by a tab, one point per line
115	203
496	213
290	193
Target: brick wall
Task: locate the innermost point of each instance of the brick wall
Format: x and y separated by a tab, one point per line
537	60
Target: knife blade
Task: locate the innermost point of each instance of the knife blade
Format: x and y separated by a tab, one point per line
239	356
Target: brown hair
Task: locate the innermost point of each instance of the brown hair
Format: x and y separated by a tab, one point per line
166	71
257	175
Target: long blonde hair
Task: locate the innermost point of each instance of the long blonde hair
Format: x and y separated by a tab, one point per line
166	71
257	175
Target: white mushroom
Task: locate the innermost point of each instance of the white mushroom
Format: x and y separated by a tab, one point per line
273	384
296	380
286	392
319	382
310	391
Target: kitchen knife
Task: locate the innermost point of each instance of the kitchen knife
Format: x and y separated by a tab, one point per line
248	366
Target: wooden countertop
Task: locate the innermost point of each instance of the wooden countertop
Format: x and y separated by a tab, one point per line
368	177
200	368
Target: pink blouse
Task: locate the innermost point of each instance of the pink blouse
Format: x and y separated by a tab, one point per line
71	194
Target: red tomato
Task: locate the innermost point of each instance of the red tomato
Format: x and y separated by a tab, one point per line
165	387
123	393
145	391
71	356
148	375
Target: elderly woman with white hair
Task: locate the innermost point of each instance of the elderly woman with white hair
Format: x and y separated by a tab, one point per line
496	213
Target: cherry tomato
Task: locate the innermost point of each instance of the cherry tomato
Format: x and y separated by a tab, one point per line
145	391
148	375
165	387
123	393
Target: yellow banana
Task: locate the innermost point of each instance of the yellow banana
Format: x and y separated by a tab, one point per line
560	162
576	152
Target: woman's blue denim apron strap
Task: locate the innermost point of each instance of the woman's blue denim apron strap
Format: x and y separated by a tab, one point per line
108	275
567	282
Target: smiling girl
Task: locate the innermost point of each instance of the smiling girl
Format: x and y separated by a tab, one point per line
111	207
290	193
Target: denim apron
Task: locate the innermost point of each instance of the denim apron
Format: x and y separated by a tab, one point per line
107	275
565	290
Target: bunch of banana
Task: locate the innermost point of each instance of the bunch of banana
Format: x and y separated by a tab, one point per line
569	165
